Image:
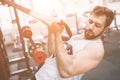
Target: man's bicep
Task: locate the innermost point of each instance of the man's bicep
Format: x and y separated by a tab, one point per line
87	59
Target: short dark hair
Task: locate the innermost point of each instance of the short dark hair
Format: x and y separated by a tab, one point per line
101	10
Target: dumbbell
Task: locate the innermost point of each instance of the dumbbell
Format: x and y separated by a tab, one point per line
36	50
37	53
26	32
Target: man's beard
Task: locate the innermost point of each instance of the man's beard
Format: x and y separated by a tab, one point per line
89	34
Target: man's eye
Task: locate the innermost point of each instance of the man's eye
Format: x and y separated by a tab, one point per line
97	25
90	21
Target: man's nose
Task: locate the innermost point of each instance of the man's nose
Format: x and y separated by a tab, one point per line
92	26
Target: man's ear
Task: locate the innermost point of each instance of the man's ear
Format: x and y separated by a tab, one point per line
106	29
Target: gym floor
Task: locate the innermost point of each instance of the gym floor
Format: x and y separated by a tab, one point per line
109	67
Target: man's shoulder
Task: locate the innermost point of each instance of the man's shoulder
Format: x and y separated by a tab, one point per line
95	45
96	49
77	37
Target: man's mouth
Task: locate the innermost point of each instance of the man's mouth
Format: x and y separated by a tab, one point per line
89	34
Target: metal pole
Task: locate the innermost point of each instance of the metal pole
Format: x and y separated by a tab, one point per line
115	20
21	39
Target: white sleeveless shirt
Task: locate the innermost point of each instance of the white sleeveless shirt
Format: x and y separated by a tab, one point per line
49	70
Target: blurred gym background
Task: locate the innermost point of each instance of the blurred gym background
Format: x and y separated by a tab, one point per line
16	62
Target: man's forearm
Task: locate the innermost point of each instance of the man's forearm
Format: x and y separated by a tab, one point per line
63	60
51	44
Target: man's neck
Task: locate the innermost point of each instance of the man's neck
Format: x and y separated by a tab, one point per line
93	38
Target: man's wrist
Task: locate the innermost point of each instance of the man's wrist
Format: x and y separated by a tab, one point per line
57	35
58	38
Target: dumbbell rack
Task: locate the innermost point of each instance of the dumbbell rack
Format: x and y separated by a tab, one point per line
24	56
16	59
9	59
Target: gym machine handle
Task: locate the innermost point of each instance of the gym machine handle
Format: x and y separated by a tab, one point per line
47	20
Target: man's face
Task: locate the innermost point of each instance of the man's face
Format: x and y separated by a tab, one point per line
95	26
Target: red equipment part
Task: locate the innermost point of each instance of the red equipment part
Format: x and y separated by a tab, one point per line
39	56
